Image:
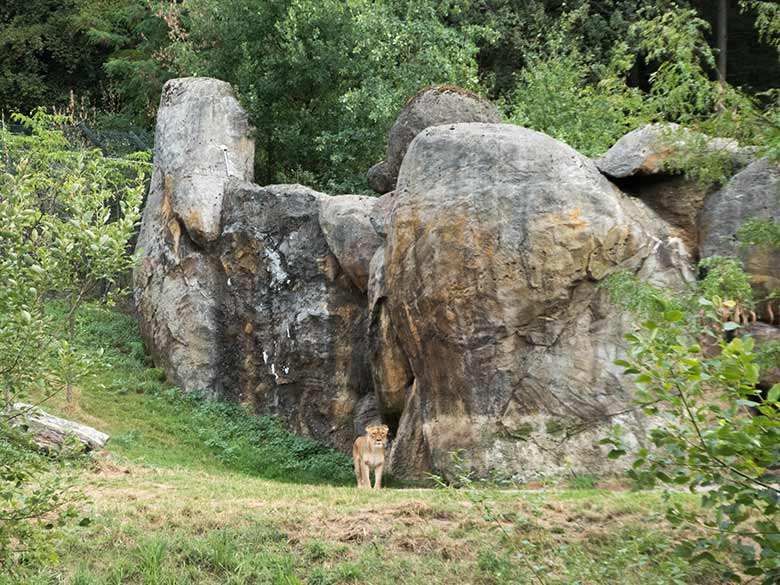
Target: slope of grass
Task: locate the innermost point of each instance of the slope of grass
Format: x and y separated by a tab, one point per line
196	493
152	423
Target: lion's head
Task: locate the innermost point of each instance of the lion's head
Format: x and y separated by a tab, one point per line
377	435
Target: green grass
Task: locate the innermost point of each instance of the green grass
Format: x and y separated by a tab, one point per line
152	423
196	493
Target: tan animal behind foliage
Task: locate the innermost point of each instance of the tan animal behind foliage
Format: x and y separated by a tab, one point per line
368	452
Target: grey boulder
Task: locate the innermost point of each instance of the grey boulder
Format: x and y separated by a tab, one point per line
346	223
430	107
201	140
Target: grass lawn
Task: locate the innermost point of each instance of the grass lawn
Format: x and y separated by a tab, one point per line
190	493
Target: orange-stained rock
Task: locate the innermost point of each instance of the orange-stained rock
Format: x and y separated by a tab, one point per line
496	243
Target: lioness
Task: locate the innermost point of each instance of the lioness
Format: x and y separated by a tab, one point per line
368	452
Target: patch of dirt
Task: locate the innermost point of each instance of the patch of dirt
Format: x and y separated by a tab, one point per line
103	466
401	526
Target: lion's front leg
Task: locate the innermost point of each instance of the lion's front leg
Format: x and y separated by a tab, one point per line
378	477
365	477
358	477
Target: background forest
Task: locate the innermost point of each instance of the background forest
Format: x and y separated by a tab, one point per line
323	79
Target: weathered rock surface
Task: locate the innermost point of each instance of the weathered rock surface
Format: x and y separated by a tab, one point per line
676	199
52	432
380	215
346	222
202	139
295	324
646	150
496	243
752	193
430	107
638	164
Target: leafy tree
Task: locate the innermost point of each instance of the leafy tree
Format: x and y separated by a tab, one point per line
45	55
715	432
65	221
323	80
133	36
568	95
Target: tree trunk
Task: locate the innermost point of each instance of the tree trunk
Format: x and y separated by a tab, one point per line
52	432
69	371
723	11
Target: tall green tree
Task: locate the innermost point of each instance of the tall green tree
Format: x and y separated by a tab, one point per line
45	54
323	79
59	234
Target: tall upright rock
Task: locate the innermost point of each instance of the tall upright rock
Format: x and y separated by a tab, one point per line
201	140
496	245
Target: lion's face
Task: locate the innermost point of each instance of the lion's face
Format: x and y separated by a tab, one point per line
377	435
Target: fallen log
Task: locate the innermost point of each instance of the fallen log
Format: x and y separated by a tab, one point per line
49	431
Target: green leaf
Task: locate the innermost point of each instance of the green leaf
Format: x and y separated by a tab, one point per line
673	316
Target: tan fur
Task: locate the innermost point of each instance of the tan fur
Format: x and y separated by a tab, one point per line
368	452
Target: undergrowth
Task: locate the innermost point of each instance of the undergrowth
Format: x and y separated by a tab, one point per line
141	410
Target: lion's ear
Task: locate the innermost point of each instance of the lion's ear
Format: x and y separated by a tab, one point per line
368	429
385	428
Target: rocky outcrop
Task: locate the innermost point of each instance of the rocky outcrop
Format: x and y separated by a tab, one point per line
648	150
639	164
496	243
462	308
295	324
237	291
201	140
752	193
431	107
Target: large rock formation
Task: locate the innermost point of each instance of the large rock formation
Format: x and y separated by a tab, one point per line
462	308
431	107
237	291
201	140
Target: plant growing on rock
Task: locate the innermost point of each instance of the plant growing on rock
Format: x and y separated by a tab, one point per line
715	431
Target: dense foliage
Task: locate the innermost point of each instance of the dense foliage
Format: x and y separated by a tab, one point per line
697	368
323	80
65	220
